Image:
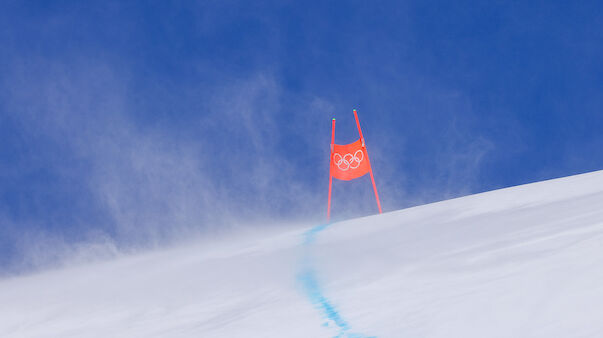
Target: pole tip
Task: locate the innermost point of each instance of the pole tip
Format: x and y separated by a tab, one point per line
333	119
354	109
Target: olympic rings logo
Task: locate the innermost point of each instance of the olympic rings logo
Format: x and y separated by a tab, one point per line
348	161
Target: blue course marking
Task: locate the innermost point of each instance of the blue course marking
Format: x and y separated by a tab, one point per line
308	279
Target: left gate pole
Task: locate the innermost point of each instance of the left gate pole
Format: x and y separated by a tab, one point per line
331	170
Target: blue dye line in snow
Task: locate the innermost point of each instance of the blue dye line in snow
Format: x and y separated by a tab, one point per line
309	281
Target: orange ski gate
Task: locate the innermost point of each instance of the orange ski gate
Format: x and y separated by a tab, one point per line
348	162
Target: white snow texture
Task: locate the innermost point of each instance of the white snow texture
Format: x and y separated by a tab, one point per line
525	261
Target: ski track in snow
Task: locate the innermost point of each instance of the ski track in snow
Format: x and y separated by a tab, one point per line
309	280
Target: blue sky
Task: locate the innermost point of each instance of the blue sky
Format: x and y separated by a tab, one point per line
132	124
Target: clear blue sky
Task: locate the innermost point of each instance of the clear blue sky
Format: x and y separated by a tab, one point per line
133	122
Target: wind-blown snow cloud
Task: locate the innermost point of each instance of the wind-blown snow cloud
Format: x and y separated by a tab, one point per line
150	184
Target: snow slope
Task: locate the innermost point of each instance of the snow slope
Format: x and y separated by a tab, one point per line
519	262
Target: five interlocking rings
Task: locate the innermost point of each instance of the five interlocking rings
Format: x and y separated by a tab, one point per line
348	161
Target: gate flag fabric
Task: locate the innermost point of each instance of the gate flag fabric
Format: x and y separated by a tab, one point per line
349	161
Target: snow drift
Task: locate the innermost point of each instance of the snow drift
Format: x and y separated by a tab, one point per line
519	262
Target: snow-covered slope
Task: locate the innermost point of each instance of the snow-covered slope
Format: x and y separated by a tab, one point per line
519	262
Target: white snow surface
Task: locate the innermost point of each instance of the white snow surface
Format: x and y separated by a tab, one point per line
525	261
